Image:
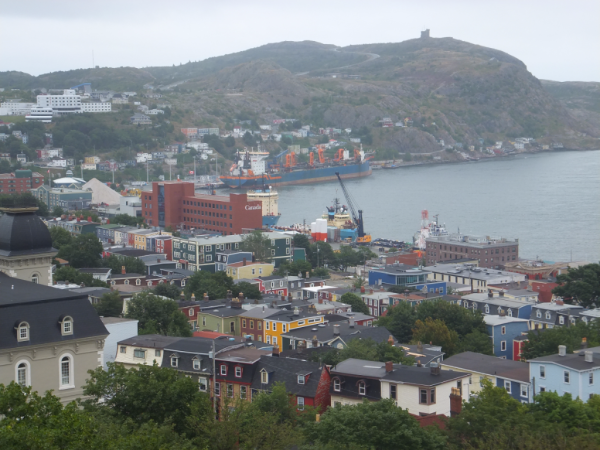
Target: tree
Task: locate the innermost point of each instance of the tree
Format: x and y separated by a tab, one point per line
124	219
250	290
229	141
215	285
580	284
168	290
321	272
248	139
545	342
132	264
301	241
294	268
73	275
146	393
158	316
110	305
437	333
461	320
355	302
476	342
83	251
321	253
400	320
366	349
60	237
258	244
57	211
359	427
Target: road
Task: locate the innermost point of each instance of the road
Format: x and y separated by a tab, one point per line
371	57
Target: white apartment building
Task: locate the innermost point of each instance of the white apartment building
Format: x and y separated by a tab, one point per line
67	103
96	107
16	109
39	114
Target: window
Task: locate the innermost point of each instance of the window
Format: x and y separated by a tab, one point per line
174	361
156	352
191	312
300	379
268	324
223	369
274	340
432	396
252	324
548	316
202	384
23	332
362	388
243	392
300	403
139	353
35	279
238	372
542	371
510	312
204	320
591	378
503	330
123	349
503	346
264	377
524	390
217	389
268	339
274	326
22	375
66	372
423	396
244	323
538	314
196	364
487	309
393	393
542	389
230	390
567	376
283	328
507	386
561	320
337	385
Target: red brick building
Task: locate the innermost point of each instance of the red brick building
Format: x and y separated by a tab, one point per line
174	203
20	181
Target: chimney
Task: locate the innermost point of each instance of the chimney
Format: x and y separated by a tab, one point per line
289	297
206	296
455	402
391	340
320	301
583	343
351	321
589	356
389	366
236	303
336	330
315	341
193	297
283	299
123	271
307	275
229	295
158	260
241	297
562	350
182	296
420	347
490	293
419	363
434	368
244	262
362	289
502	313
370	291
301	346
501	294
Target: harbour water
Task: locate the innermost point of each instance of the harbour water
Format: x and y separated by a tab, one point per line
549	201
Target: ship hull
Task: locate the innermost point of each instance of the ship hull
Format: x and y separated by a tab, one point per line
309	176
270	221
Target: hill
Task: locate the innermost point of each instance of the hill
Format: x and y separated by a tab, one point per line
452	90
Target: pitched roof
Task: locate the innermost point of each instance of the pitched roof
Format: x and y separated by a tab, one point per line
574	361
286	371
14	291
324	333
489	365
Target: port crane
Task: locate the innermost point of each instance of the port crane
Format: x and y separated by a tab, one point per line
357	218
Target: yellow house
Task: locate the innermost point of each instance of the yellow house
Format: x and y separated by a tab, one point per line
284	321
249	270
139	237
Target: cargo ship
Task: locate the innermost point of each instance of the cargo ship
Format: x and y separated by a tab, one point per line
338	216
269	198
252	170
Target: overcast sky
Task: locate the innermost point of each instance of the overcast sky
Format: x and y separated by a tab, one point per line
556	39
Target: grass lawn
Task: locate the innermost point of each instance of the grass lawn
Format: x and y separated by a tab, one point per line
13	119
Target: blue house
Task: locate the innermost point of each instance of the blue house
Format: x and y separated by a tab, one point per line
576	373
510	375
224	257
405	275
106	233
503	330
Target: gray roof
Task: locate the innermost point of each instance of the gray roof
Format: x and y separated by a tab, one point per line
574	361
150	341
425	354
223	312
421	376
14	291
260	312
286	371
95	270
324	333
489	365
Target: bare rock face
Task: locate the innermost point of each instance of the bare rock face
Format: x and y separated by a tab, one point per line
412	140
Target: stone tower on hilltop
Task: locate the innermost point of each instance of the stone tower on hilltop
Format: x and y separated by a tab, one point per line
425	34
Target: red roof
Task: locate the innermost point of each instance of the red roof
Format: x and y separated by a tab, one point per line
209	334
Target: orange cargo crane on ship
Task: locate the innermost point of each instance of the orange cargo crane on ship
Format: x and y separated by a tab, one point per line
357	218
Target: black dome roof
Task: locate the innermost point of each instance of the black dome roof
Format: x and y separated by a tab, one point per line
23	232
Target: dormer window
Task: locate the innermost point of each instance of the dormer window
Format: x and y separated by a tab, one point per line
538	314
264	377
223	369
23	332
238	372
548	316
66	326
561	320
510	312
362	388
174	360
487	309
197	364
301	379
337	385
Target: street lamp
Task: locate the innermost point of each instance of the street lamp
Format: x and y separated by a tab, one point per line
81	165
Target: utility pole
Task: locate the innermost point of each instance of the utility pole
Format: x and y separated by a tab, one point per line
147	176
194	171
81	165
